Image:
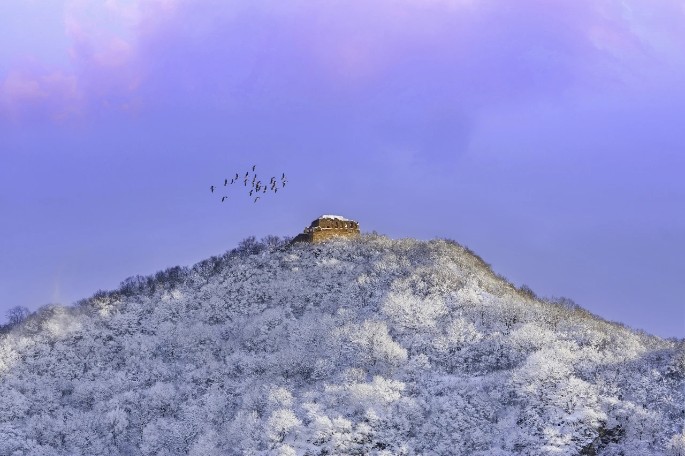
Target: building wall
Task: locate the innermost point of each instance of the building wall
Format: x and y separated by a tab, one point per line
322	235
302	237
334	223
323	229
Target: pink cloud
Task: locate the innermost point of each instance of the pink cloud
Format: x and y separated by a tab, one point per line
103	73
34	94
151	53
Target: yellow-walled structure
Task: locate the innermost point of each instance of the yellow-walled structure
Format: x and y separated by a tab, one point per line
327	227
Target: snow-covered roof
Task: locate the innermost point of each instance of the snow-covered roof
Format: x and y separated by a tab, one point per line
335	217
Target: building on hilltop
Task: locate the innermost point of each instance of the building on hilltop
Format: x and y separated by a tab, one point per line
326	227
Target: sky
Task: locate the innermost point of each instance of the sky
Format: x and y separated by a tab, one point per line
546	135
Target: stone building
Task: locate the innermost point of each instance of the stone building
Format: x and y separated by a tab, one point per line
326	227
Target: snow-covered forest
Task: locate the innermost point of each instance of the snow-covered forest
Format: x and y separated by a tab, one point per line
366	346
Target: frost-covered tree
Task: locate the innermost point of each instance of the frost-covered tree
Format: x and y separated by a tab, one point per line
364	346
16	315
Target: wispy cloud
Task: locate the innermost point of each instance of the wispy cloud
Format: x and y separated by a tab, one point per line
36	93
151	54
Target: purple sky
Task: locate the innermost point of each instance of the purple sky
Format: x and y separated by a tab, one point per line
546	135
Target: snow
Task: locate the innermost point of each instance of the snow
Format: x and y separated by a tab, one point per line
335	217
394	347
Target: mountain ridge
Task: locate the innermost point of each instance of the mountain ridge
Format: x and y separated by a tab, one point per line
361	346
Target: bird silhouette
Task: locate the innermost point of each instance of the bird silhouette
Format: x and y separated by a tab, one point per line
257	186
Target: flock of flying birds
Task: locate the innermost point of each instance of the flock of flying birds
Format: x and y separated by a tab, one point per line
257	187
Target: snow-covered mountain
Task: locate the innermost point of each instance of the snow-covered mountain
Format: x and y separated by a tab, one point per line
366	346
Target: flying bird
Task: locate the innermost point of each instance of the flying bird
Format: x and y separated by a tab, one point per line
257	186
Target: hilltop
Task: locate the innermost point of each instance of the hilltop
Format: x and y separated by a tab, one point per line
359	346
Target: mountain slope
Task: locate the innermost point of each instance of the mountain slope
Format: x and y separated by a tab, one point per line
369	346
